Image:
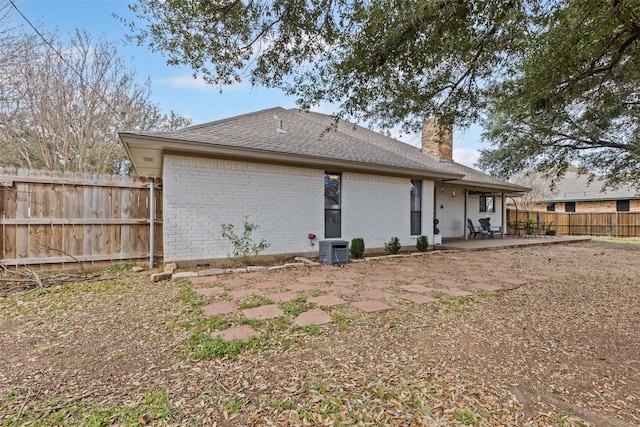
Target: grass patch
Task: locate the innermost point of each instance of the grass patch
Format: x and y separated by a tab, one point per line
120	268
467	417
154	407
202	346
253	301
296	306
623	240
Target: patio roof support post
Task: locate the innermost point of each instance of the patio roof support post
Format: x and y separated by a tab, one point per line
466	214
503	220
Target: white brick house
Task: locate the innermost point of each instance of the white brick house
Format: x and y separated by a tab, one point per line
287	173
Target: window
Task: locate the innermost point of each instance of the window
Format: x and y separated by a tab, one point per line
569	206
416	207
487	204
622	205
551	207
332	216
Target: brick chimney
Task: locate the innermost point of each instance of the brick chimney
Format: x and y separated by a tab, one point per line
437	139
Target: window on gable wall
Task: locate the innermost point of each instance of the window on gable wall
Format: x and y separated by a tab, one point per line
332	202
416	207
622	205
487	204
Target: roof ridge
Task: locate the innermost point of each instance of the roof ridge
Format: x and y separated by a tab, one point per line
229	119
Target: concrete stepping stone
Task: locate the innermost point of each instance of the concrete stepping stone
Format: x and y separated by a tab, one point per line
314	316
238	332
265	285
418	299
242	293
371	306
327	300
456	292
486	287
449	283
513	281
417	289
210	292
263	312
219	308
282	296
378	285
301	287
375	294
341	290
203	280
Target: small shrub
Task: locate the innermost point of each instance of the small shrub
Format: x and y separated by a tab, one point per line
357	247
422	244
550	232
243	245
393	246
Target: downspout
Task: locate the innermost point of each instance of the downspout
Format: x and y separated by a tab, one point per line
152	220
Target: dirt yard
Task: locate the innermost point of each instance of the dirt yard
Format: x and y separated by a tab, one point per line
556	342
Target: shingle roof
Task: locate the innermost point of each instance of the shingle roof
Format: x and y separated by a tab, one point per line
575	187
310	135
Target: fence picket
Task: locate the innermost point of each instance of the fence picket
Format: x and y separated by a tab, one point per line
616	224
53	217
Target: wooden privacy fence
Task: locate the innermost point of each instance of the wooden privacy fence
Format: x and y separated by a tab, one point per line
55	218
615	224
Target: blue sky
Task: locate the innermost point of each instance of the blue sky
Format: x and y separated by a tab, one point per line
174	88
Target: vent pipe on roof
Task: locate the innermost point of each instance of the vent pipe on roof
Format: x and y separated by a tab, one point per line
437	139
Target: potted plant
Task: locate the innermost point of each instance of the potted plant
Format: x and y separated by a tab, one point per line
437	238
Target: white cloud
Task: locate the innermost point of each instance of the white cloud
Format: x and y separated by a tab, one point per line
466	156
187	81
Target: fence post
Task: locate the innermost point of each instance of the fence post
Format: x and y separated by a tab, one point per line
617	224
570	217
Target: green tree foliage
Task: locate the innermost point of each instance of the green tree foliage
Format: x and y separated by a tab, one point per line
575	98
553	81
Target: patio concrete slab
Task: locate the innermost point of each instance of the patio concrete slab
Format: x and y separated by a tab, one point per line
418	299
282	296
263	312
238	332
327	300
375	294
210	292
371	306
314	316
219	308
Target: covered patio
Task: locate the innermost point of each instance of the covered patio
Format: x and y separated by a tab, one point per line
509	241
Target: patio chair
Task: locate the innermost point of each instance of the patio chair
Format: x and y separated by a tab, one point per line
472	229
485	223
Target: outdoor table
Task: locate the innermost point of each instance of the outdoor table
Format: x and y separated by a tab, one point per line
530	229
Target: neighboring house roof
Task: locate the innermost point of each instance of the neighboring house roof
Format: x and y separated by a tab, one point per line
299	138
574	187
